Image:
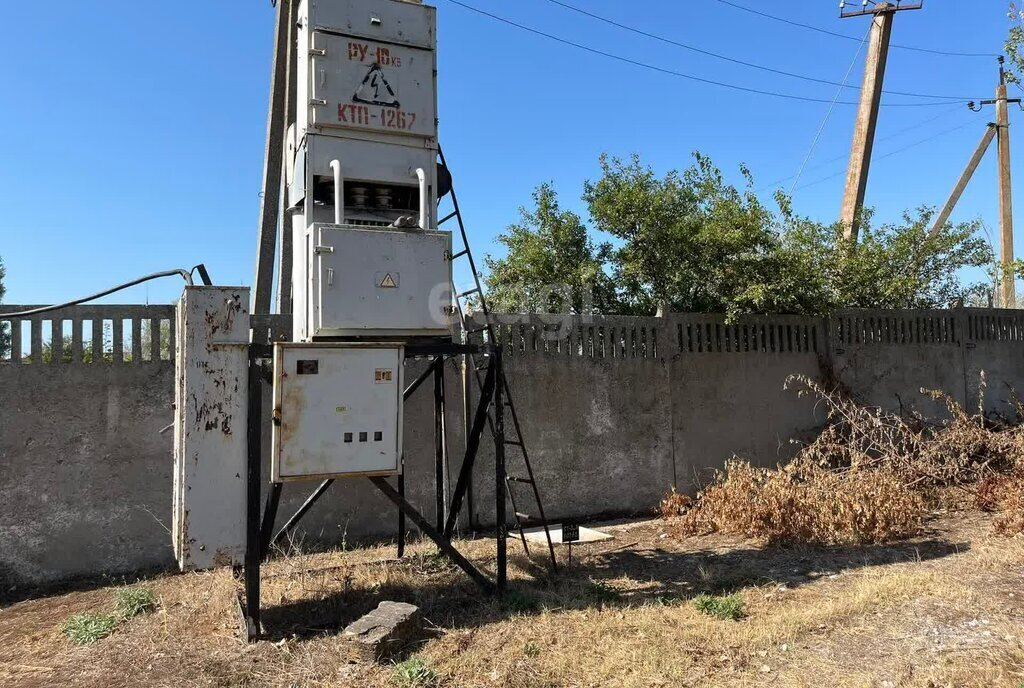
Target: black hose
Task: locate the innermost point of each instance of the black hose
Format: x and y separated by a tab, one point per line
184	274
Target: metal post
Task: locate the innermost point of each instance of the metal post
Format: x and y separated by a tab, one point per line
269	516
252	503
439	443
499	470
401	514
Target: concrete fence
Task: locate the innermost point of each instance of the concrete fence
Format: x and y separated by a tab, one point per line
614	411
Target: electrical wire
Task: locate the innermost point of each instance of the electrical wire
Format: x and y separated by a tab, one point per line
752	65
184	274
887	137
759	13
828	115
893	152
670	72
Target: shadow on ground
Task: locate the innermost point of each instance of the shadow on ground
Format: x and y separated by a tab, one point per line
623	577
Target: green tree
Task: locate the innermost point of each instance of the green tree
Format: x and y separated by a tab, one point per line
894	265
1014	46
5	328
551	263
694	243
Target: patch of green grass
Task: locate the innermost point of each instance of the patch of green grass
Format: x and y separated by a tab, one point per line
531	649
602	592
520	601
415	673
131	602
87	628
726	607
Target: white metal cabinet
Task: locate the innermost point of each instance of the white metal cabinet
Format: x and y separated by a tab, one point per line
378	282
211	406
337	410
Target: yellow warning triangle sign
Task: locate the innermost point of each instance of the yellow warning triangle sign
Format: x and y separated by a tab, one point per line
388	282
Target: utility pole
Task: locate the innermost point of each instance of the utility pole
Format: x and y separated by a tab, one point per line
882	15
1007	285
1009	290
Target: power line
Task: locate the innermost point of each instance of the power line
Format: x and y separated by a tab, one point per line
662	70
773	17
828	115
892	135
719	56
894	152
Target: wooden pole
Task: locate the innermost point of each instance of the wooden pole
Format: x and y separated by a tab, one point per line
867	120
961	185
1008	286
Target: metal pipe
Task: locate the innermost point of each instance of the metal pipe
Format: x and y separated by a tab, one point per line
339	193
422	176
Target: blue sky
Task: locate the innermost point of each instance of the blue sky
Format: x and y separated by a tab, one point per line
131	136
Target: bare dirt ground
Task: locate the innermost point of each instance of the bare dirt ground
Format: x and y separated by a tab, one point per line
944	609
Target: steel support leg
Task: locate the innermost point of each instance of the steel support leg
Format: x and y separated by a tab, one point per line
269	516
252	503
439	444
401	514
499	471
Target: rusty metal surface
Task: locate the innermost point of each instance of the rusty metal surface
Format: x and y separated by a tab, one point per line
337	410
211	398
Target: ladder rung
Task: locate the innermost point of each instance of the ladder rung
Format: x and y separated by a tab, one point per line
514	479
513	443
448	217
524	517
460	254
474	290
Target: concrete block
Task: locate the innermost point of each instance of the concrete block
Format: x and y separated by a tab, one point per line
385	631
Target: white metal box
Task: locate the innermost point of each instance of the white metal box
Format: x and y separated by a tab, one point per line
368	68
372	282
337	410
211	401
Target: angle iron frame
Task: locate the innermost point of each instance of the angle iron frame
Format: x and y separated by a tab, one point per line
260	522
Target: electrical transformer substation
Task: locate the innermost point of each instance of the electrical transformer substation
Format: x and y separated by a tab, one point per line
354	179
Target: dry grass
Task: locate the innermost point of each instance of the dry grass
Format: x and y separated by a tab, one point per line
870	476
945	607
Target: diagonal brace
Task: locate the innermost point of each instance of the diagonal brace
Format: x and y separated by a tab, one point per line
472	445
443	544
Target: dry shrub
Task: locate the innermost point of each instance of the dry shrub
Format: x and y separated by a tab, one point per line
675	504
808	503
870	476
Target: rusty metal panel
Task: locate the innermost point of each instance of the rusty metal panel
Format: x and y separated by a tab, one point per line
337	410
211	401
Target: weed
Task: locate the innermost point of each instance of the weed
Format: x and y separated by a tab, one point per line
727	608
87	628
531	649
130	602
603	593
414	673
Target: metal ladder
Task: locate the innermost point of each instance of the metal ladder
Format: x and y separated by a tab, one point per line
469	329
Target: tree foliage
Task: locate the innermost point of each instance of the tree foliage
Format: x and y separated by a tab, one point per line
552	264
695	243
5	329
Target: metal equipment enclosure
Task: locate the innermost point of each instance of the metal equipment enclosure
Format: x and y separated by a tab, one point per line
343	416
